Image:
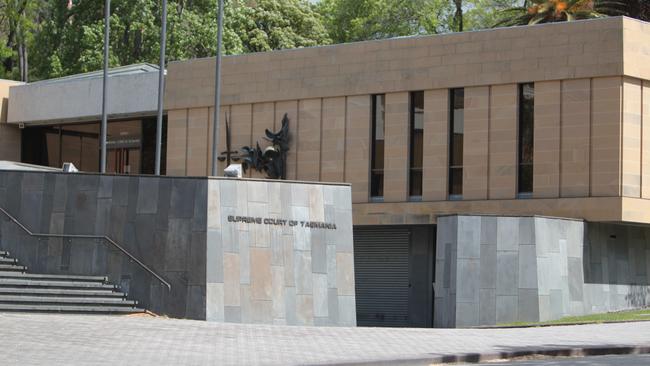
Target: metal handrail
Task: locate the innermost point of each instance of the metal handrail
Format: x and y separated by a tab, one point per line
81	236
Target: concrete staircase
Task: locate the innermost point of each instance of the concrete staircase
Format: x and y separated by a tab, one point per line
21	291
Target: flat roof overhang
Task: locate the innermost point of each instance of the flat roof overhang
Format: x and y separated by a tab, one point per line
132	92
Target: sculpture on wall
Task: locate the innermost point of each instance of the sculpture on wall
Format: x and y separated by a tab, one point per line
273	159
229	155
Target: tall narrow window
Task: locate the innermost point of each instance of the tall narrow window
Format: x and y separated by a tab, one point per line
416	145
377	158
526	138
457	122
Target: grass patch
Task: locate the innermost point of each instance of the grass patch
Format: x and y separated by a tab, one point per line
620	316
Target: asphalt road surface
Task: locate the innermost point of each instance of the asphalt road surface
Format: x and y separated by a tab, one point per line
626	360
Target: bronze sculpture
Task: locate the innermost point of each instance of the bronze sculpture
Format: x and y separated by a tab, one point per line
273	159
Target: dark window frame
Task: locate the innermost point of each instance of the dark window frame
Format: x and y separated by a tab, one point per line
453	194
415	171
525	139
377	173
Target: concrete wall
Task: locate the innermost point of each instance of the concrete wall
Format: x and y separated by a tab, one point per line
218	270
79	99
494	270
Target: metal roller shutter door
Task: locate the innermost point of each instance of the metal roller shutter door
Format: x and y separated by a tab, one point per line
381	263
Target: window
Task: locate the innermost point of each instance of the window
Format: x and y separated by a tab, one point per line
416	144
377	157
457	107
526	138
131	146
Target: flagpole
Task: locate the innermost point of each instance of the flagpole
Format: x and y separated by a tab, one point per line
161	86
217	92
107	14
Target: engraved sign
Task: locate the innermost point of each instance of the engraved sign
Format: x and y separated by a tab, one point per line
282	222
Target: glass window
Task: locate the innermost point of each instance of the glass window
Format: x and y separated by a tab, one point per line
149	146
457	108
526	138
377	158
417	143
131	146
80	146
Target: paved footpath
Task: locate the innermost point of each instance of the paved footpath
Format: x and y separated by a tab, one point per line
42	339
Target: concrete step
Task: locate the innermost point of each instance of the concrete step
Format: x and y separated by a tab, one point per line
55	293
112	301
61	292
38	276
51	283
7	260
12	268
69	309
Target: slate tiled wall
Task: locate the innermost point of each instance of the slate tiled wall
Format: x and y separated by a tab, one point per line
178	227
280	274
486	271
494	270
161	221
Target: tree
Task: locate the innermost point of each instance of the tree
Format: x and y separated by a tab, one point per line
70	38
18	20
482	14
458	15
548	11
275	24
358	20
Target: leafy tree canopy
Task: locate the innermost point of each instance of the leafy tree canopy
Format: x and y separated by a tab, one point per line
357	20
67	36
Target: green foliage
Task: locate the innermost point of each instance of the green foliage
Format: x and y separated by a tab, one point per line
358	20
70	40
482	14
276	24
17	28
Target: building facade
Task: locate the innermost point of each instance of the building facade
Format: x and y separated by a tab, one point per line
547	120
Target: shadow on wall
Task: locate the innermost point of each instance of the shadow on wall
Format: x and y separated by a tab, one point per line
619	256
638	297
616	254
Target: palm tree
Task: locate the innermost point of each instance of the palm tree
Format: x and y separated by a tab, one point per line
639	9
548	11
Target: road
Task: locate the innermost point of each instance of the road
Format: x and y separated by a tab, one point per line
626	360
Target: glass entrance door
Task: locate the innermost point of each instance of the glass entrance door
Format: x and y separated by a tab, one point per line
123	161
124	142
